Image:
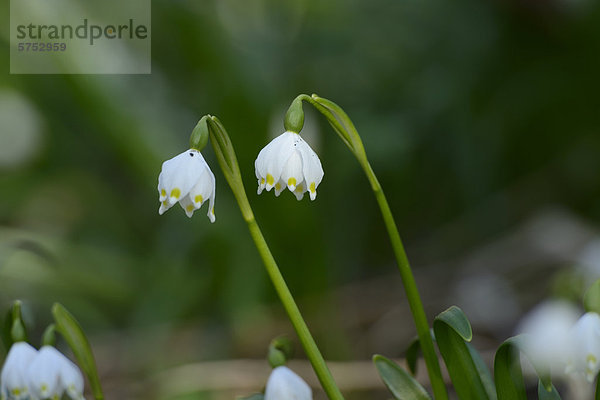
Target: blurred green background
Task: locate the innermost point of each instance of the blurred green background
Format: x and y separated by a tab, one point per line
481	119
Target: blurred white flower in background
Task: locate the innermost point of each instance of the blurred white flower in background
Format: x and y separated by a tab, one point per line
20	129
187	179
14	371
29	374
284	384
585	352
589	260
549	329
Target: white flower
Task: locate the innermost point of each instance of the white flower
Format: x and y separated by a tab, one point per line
548	329
43	373
187	179
288	161
284	384
585	353
14	371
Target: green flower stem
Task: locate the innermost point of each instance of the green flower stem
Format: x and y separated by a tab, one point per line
228	162
344	127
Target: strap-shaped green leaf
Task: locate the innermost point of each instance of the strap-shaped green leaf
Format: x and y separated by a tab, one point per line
69	328
507	372
591	299
456	319
544	394
597	397
402	385
452	329
484	372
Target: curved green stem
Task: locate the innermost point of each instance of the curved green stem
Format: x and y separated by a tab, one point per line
344	127
228	162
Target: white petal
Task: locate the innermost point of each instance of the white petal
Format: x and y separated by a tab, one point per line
273	157
188	206
203	189
71	379
300	190
284	384
43	374
292	173
279	187
312	169
14	371
585	355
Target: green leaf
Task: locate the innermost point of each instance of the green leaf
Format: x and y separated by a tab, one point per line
69	328
452	330
455	318
591	299
412	355
484	372
402	385
507	372
507	369
544	394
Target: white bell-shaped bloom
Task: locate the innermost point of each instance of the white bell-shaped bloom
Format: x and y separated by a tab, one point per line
187	179
14	372
288	161
284	384
71	379
43	374
548	333
585	353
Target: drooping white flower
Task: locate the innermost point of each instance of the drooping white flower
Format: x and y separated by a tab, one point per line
187	179
288	161
43	374
14	372
284	384
585	352
548	333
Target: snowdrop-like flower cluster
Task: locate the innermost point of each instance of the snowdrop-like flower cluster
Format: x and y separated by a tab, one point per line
29	374
556	337
284	384
187	179
288	161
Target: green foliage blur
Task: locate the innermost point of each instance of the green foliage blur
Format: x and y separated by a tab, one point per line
479	110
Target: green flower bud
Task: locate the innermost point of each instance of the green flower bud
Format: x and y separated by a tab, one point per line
17	330
199	136
49	336
294	118
280	350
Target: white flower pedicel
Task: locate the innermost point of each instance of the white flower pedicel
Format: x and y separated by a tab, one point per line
288	161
